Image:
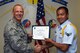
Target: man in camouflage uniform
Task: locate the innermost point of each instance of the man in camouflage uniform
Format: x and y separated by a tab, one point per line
15	37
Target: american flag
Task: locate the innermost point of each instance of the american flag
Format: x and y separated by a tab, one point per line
40	20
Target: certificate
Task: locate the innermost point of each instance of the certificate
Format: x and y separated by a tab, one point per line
40	32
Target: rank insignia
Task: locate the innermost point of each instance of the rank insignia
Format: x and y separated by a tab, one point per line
68	34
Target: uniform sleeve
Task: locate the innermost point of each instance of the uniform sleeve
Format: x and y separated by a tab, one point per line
18	41
69	34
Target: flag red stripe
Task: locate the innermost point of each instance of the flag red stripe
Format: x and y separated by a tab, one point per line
44	21
40	20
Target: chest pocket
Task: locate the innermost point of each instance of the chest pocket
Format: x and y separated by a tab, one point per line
60	34
20	31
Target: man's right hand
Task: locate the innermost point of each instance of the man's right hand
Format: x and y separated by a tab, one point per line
38	48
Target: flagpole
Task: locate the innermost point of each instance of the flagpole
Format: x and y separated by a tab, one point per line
32	1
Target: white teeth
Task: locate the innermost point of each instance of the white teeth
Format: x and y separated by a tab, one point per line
19	16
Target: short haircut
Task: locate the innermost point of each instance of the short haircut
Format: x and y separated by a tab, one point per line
17	5
62	7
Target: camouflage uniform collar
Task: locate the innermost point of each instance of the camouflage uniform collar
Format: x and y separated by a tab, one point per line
17	23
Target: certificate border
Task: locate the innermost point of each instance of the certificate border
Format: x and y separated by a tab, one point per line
42	25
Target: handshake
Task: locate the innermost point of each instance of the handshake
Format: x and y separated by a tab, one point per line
37	48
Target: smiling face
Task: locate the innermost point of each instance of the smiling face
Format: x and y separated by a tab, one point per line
18	12
62	15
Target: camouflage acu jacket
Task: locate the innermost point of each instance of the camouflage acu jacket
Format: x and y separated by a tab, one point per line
16	39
